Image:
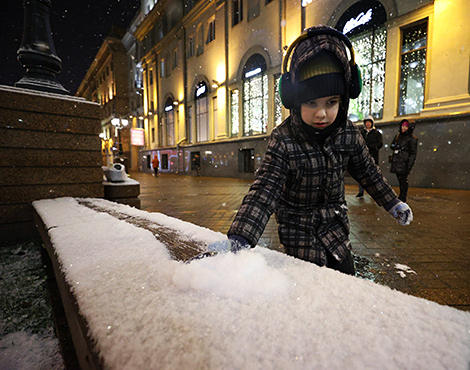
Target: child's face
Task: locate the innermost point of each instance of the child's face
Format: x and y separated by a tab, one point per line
320	113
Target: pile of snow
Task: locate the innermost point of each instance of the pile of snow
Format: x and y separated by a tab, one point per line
255	309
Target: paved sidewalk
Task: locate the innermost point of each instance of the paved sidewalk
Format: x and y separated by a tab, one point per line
428	259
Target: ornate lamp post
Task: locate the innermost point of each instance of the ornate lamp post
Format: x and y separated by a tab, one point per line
119	124
37	53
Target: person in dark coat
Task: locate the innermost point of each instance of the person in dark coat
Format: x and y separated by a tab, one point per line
405	148
301	178
374	142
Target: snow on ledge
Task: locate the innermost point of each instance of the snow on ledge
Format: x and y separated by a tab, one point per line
253	310
45	94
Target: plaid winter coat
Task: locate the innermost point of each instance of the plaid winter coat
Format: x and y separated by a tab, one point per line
303	183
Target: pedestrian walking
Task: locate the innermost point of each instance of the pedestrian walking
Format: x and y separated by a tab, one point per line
196	163
155	165
405	148
374	142
301	178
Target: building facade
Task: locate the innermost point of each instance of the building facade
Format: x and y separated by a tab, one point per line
210	71
107	83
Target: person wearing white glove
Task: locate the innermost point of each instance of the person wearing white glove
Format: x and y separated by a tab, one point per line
302	176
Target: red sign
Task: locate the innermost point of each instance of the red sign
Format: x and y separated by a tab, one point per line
137	137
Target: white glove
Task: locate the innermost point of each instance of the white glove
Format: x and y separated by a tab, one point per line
402	212
232	244
220	246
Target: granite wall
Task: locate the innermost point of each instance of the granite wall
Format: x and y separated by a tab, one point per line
49	148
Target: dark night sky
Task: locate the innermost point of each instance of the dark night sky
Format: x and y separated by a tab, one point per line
79	28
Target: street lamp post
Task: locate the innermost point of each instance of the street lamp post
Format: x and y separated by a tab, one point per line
119	124
37	53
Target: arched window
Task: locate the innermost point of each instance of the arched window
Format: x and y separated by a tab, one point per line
202	112
255	96
363	23
169	122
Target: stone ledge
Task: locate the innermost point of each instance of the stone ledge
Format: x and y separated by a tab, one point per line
125	192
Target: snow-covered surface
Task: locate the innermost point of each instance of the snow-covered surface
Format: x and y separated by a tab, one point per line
46	94
22	350
253	310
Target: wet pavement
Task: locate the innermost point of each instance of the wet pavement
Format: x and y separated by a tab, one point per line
428	259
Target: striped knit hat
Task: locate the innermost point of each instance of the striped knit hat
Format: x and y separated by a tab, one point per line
320	76
320	66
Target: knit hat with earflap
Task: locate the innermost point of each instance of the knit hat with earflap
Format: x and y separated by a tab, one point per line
320	66
321	76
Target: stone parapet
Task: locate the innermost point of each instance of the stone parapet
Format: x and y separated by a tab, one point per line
125	192
50	148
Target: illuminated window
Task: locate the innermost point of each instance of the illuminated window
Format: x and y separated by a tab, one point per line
237	11
364	23
255	96
370	49
277	102
169	122
202	113
413	68
190	124
234	112
215	118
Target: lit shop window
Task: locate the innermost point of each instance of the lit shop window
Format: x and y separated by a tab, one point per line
363	23
202	113
370	48
234	112
215	118
277	102
413	68
255	96
170	122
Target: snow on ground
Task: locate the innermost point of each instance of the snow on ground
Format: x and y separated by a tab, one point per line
402	269
26	351
252	310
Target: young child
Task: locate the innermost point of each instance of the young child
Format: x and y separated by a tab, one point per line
301	178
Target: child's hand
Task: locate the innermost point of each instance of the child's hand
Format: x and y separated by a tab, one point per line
402	213
234	244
